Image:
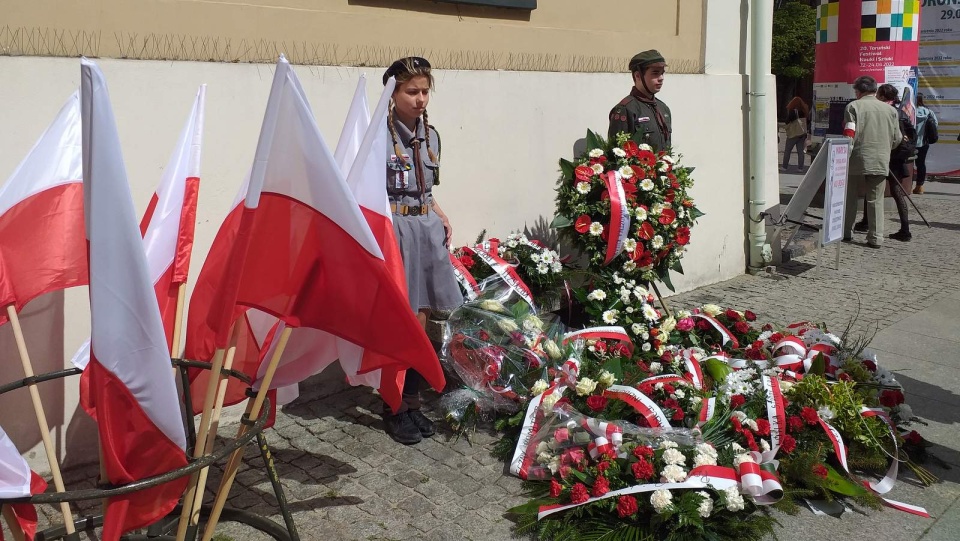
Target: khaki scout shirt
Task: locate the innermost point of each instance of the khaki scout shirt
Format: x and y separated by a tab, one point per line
875	133
639	120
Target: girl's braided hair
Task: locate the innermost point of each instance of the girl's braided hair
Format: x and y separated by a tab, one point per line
404	70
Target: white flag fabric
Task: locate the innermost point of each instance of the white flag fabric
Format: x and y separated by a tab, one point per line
14	471
131	385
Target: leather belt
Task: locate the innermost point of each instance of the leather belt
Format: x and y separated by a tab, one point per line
409	210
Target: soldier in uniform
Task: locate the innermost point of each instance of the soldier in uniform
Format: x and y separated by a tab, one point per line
641	115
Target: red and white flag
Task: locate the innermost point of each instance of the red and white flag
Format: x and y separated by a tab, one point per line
168	224
17	480
131	386
41	216
300	249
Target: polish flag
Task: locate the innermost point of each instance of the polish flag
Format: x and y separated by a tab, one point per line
41	216
131	386
300	249
168	224
18	481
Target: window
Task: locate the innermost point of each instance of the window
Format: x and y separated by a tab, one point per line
519	4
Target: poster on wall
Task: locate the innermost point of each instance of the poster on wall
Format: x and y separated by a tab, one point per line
860	37
940	82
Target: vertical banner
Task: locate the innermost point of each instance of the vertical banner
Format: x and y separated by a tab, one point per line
854	38
835	195
940	81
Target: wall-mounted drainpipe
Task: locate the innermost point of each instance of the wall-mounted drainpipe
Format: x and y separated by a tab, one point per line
761	13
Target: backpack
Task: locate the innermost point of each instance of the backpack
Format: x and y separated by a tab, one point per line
930	133
907	148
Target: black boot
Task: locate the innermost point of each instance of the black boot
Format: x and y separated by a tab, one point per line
903	236
862	226
401	428
424	425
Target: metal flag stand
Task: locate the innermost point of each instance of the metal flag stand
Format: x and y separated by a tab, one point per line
161	531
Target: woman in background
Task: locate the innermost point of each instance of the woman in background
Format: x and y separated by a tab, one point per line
796	130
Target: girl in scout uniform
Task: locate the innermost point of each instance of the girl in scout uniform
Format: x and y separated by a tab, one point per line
421	227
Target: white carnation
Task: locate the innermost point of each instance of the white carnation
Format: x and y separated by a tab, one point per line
673	456
655	367
661	500
734	499
673	474
706	504
704	459
668	324
636	328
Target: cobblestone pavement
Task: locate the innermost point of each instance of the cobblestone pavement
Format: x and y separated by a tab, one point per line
345	479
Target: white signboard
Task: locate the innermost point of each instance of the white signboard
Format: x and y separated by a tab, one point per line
835	194
940	80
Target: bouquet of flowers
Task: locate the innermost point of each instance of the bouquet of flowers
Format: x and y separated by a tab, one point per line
627	208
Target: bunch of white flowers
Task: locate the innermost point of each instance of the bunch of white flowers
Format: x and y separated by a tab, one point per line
734	499
673	474
661	500
706	504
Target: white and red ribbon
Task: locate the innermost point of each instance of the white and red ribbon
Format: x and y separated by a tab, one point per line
600	333
467	281
619	226
640	402
509	275
776	412
724	332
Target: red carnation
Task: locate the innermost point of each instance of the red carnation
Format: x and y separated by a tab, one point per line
788	443
763	427
732	315
913	438
749	315
737	400
579	494
603	466
795	423
737	425
820	471
642	470
809	415
631	148
671	403
582	225
741	327
646	388
751	441
626	506
643	451
583	173
683	235
555	488
891	398
667	216
600	487
596	402
646	231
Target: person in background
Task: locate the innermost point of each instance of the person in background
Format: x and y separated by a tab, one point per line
798	114
874	128
927	125
422	229
641	115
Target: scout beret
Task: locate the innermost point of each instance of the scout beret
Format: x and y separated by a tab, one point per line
400	66
644	59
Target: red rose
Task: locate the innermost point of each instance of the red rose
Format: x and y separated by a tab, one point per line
642	470
870	365
484	335
582	225
843	376
600	487
621	350
644	367
741	327
626	506
631	148
683	235
583	173
646	231
467	261
643	451
596	402
913	438
891	398
579	493
776	337
732	315
667	216
788	443
703	324
737	400
600	346
767	327
555	488
810	415
795	423
749	315
820	471
763	427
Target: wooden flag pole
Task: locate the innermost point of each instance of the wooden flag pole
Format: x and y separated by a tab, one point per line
15	530
252	412
178	324
41	417
213	385
212	432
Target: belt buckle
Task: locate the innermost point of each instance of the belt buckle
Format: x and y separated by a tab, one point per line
413	211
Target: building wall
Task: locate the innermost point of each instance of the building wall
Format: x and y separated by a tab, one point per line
560	35
503	132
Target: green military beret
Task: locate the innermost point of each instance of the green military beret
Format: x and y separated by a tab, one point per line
644	59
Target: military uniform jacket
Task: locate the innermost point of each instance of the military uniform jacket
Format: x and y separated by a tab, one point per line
646	122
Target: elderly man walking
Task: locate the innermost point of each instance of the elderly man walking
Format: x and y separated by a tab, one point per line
873	127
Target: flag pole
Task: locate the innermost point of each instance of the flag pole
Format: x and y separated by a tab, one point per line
252	412
41	417
214	384
178	321
15	530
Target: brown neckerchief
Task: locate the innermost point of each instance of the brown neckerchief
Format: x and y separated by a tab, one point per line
415	144
652	102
